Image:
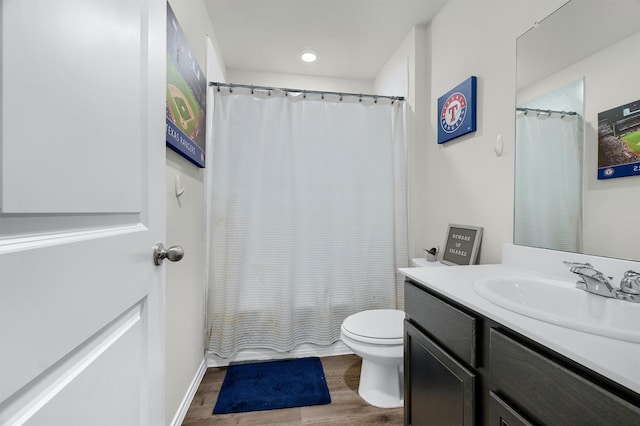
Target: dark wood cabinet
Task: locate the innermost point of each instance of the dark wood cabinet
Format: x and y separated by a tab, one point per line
550	393
501	414
462	368
438	389
439	361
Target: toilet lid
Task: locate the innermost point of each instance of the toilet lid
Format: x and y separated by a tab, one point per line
382	325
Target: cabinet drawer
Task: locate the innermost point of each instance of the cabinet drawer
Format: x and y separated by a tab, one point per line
449	326
548	392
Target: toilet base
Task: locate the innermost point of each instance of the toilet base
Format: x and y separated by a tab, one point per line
381	385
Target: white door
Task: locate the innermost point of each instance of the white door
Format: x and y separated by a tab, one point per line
82	156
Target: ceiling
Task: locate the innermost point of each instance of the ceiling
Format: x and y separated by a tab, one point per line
352	38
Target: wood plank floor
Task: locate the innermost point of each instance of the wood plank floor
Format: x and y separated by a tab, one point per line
346	408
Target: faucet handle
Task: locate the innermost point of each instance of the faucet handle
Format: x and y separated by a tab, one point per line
580	268
578	264
630	283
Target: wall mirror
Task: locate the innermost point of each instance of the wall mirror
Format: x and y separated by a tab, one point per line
581	60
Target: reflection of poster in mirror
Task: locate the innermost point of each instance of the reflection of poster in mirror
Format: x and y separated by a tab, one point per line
619	141
186	96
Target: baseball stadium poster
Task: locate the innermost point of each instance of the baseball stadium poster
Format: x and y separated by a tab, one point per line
619	141
186	96
457	111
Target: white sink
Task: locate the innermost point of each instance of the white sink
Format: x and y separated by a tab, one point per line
560	303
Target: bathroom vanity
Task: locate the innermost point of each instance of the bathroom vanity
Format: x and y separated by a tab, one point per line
472	362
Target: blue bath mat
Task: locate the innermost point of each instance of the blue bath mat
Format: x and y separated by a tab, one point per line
271	385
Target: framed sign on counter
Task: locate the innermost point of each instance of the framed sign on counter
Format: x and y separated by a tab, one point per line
462	245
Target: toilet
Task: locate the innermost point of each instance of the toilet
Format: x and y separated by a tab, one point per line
377	337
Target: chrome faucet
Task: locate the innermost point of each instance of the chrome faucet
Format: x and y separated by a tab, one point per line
594	281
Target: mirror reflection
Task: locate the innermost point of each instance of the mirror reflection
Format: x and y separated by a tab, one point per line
580	61
548	191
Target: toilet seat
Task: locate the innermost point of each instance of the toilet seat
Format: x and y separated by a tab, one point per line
376	326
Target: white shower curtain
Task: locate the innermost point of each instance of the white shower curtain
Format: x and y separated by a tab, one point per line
548	194
308	216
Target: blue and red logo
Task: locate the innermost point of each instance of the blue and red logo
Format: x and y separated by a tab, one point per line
457	111
453	112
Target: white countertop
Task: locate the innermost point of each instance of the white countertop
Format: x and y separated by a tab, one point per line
618	360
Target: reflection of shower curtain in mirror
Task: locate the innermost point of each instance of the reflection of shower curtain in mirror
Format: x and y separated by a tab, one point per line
548	193
308	217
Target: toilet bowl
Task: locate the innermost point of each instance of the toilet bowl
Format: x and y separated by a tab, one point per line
377	337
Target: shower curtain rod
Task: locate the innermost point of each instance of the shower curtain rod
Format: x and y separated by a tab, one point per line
304	92
546	111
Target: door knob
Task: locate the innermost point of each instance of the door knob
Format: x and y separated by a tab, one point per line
173	253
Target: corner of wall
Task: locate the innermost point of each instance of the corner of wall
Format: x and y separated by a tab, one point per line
415	50
186	292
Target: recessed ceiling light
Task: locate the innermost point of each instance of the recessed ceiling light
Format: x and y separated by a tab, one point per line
309	56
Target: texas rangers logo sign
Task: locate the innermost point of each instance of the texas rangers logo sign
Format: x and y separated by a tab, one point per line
457	109
453	112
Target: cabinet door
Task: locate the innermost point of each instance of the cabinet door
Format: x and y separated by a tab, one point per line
503	415
438	389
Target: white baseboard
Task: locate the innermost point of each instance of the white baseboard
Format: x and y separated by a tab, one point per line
302	351
191	392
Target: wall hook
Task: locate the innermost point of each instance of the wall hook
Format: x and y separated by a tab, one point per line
498	148
179	188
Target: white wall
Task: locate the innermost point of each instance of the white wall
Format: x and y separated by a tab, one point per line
296	81
464	181
414	53
185	281
612	201
186	227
